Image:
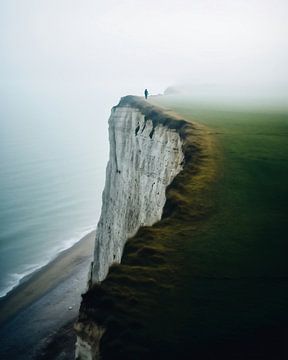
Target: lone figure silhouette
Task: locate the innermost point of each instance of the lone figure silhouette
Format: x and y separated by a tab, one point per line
146	94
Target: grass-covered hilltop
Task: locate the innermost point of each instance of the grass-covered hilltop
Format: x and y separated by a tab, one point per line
209	281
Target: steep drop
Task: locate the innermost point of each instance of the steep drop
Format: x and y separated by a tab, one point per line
148	149
144	159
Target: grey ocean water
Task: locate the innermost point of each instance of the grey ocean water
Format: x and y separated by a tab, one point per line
53	153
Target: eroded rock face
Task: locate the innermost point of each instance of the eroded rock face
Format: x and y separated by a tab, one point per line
88	341
143	161
145	156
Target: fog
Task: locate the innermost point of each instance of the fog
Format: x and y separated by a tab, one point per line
65	63
120	47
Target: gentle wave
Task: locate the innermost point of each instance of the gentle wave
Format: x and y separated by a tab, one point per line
16	279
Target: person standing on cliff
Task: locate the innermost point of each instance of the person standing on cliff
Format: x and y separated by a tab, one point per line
146	93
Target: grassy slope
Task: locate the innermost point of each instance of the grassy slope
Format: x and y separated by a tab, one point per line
211	278
244	244
250	223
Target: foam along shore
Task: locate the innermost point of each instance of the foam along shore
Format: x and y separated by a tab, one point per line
47	278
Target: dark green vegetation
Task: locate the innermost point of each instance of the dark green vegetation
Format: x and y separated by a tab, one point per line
210	281
252	194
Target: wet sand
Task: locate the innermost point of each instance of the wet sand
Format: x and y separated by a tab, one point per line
32	314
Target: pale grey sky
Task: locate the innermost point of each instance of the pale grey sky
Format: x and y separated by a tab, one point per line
123	46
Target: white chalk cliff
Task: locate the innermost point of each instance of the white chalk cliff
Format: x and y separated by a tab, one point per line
145	156
143	161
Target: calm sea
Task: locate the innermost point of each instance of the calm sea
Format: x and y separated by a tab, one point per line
52	160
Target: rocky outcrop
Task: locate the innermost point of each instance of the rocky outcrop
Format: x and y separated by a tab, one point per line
146	154
88	341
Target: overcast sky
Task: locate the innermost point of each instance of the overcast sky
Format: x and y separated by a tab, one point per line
125	46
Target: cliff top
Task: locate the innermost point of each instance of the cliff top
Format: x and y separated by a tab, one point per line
154	113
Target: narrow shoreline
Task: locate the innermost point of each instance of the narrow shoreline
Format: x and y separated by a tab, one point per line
46	278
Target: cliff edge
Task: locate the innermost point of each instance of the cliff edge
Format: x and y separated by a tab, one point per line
153	156
145	156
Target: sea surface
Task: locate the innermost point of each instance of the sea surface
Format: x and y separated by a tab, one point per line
53	154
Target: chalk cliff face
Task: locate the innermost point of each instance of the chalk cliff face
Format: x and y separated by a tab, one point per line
144	159
145	156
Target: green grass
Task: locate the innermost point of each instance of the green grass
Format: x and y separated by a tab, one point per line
209	280
249	227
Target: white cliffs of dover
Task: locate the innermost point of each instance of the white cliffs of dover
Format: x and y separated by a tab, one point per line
143	161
